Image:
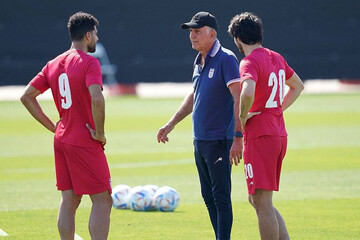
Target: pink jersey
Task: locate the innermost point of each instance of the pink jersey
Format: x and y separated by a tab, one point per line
69	75
270	71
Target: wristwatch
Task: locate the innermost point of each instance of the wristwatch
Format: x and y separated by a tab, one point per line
238	134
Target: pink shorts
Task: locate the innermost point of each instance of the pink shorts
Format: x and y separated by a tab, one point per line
263	158
81	169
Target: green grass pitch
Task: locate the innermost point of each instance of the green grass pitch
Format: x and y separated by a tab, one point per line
319	194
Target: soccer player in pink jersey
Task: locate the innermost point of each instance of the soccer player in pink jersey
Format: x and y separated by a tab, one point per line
74	78
264	74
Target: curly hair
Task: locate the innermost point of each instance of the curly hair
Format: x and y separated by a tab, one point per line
248	27
79	24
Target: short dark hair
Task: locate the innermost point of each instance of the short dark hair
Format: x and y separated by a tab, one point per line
79	24
248	27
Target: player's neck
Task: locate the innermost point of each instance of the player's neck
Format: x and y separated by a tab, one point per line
79	46
249	48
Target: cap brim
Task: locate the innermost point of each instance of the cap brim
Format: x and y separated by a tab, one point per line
192	25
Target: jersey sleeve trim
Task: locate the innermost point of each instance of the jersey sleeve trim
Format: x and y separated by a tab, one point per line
233	81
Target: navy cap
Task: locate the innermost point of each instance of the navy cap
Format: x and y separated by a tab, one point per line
200	20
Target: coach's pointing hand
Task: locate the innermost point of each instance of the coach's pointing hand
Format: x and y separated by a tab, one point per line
163	132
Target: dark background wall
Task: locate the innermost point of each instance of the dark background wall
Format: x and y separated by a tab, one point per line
143	38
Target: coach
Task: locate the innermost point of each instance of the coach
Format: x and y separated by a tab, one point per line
214	102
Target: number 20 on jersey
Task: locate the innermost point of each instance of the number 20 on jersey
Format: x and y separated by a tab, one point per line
274	82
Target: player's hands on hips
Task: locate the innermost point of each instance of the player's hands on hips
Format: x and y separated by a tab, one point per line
96	136
56	125
243	120
163	132
236	151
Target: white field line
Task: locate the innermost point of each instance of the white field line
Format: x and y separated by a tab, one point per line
107	151
151	164
111	166
27	170
3	233
77	237
176	150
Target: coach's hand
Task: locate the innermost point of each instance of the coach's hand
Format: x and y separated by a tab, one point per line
236	151
96	136
163	132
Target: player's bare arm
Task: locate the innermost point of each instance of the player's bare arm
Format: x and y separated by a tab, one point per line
246	100
184	110
237	146
295	88
29	100
98	112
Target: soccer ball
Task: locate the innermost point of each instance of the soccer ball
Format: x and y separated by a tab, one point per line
152	190
140	199
166	199
151	187
120	195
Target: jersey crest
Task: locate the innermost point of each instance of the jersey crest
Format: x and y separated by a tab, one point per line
211	72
